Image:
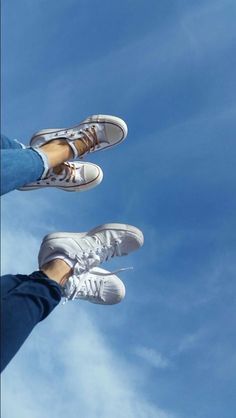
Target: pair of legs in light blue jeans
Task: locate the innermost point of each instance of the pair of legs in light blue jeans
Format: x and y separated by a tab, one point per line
19	165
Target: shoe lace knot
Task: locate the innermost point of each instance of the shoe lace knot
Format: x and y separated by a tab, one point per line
94	257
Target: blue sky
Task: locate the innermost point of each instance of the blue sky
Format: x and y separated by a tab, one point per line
168	69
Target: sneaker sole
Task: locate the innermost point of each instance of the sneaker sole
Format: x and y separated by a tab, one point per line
113	120
121	227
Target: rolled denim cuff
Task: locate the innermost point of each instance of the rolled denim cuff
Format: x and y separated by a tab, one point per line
20	143
44	159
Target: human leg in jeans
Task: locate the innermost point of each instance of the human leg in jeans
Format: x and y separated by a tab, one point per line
29	168
37	167
25	301
18	165
7	143
69	266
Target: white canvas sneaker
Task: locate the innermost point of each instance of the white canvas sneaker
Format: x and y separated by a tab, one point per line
75	177
97	132
97	286
83	251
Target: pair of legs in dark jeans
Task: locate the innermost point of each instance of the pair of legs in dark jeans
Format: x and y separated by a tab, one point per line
68	263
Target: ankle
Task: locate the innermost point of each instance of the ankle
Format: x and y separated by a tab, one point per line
81	147
57	152
57	270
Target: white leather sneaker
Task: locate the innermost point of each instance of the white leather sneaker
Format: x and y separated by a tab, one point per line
86	250
97	286
97	132
75	177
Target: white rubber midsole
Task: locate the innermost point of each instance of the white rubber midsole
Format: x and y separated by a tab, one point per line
100	228
91	119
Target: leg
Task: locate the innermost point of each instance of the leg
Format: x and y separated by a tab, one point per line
7	143
56	147
20	167
84	252
25	301
18	164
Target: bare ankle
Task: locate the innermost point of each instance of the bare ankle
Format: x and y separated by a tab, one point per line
57	270
57	152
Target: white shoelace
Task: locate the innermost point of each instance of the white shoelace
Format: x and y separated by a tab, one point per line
87	261
88	288
93	258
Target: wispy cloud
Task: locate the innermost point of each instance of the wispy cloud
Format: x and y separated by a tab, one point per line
69	364
21	233
152	357
191	341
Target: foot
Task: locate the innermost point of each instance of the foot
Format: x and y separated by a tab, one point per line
97	132
83	251
97	286
72	177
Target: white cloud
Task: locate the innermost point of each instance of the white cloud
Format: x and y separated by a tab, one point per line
21	235
152	357
67	367
190	341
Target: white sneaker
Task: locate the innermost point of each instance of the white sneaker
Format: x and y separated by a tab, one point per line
97	286
83	251
97	132
75	177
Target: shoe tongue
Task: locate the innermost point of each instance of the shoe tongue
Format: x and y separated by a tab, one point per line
52	173
61	174
79	174
100	132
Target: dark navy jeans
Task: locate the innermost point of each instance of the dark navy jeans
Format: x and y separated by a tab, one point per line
25	301
19	166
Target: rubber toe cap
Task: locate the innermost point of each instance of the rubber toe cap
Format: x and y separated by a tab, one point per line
92	174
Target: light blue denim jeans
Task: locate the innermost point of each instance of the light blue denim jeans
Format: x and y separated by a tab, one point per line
20	165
